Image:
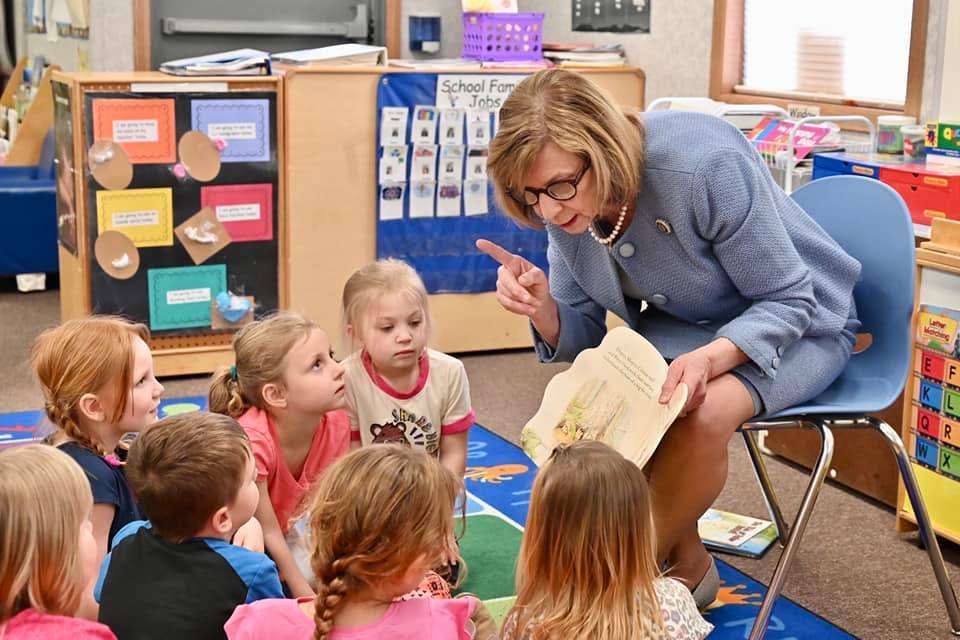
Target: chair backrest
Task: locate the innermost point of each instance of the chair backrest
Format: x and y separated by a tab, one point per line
872	223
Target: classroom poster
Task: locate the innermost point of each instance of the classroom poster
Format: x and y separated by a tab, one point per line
434	198
143	215
145	128
65	171
616	16
180	297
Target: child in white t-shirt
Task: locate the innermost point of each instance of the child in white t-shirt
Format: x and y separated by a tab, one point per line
398	389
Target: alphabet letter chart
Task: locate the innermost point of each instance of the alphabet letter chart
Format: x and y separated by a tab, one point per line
932	409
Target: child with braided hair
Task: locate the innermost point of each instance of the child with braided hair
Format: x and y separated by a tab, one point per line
380	517
98	382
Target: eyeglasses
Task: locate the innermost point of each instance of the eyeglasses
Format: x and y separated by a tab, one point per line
561	190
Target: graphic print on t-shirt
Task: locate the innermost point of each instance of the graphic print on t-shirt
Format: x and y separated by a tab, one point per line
405	427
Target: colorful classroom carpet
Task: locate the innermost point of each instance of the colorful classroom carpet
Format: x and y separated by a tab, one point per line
499	477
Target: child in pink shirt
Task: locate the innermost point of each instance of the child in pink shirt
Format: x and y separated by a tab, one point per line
379	518
286	391
50	553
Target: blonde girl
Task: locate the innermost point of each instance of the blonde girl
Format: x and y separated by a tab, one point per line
98	382
380	518
400	390
286	391
587	567
47	552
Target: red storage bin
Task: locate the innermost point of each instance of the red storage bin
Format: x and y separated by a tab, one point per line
929	193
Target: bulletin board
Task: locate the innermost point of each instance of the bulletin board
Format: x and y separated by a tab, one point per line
196	231
433	196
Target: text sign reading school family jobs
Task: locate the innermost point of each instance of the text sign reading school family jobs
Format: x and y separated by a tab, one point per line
475	91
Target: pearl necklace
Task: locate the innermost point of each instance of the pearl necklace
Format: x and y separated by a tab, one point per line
616	228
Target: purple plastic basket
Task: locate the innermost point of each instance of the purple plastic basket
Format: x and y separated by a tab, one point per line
503	36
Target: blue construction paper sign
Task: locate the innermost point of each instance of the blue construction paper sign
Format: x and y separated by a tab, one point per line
442	249
243	124
180	297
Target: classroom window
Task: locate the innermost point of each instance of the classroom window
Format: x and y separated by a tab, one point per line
848	56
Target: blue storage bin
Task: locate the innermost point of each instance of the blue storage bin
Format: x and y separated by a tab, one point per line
843	164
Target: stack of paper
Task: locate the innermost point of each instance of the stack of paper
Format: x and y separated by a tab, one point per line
568	55
338	54
239	62
435	63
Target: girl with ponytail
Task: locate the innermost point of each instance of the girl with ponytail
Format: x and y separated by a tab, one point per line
379	519
286	391
98	382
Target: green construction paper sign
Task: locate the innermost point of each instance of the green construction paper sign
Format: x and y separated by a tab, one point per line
180	297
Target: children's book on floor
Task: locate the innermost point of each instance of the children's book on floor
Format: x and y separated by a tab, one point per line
740	535
610	394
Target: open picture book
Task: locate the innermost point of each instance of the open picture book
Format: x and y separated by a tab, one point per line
610	394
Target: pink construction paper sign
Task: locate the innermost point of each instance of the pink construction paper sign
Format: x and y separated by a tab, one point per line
246	210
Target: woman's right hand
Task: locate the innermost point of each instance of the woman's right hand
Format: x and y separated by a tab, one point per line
522	288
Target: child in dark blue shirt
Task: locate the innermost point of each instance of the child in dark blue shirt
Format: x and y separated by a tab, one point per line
178	576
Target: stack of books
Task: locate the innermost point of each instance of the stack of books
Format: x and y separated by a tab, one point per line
239	62
584	55
351	54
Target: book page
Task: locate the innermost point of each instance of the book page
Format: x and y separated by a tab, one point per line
610	394
728	528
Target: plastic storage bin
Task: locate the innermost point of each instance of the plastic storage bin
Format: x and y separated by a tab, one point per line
502	36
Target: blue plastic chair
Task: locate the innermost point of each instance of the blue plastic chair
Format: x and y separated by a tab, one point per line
871	222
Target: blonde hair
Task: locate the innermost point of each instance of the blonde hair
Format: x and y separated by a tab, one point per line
372	281
563	107
44	500
587	563
373	513
260	348
183	468
82	356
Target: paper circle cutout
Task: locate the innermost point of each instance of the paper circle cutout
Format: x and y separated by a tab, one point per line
109	165
199	155
117	255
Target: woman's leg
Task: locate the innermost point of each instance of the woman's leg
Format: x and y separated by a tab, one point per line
688	472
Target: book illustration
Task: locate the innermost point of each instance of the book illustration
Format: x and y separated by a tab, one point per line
611	394
590	414
939	329
727	528
735	534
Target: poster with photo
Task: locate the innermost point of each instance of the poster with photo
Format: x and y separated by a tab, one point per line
614	16
65	171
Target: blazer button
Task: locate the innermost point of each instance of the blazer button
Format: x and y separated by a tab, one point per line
658	298
780	350
627	250
775	363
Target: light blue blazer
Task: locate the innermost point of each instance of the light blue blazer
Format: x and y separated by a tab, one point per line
715	249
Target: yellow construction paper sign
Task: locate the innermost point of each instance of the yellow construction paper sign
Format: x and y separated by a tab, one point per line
143	215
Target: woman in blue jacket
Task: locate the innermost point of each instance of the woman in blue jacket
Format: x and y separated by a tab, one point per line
747	295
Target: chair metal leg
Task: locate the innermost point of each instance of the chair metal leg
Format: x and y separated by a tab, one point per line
923	519
799	525
769	496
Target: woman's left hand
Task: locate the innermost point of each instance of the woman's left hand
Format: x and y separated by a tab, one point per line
693	369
